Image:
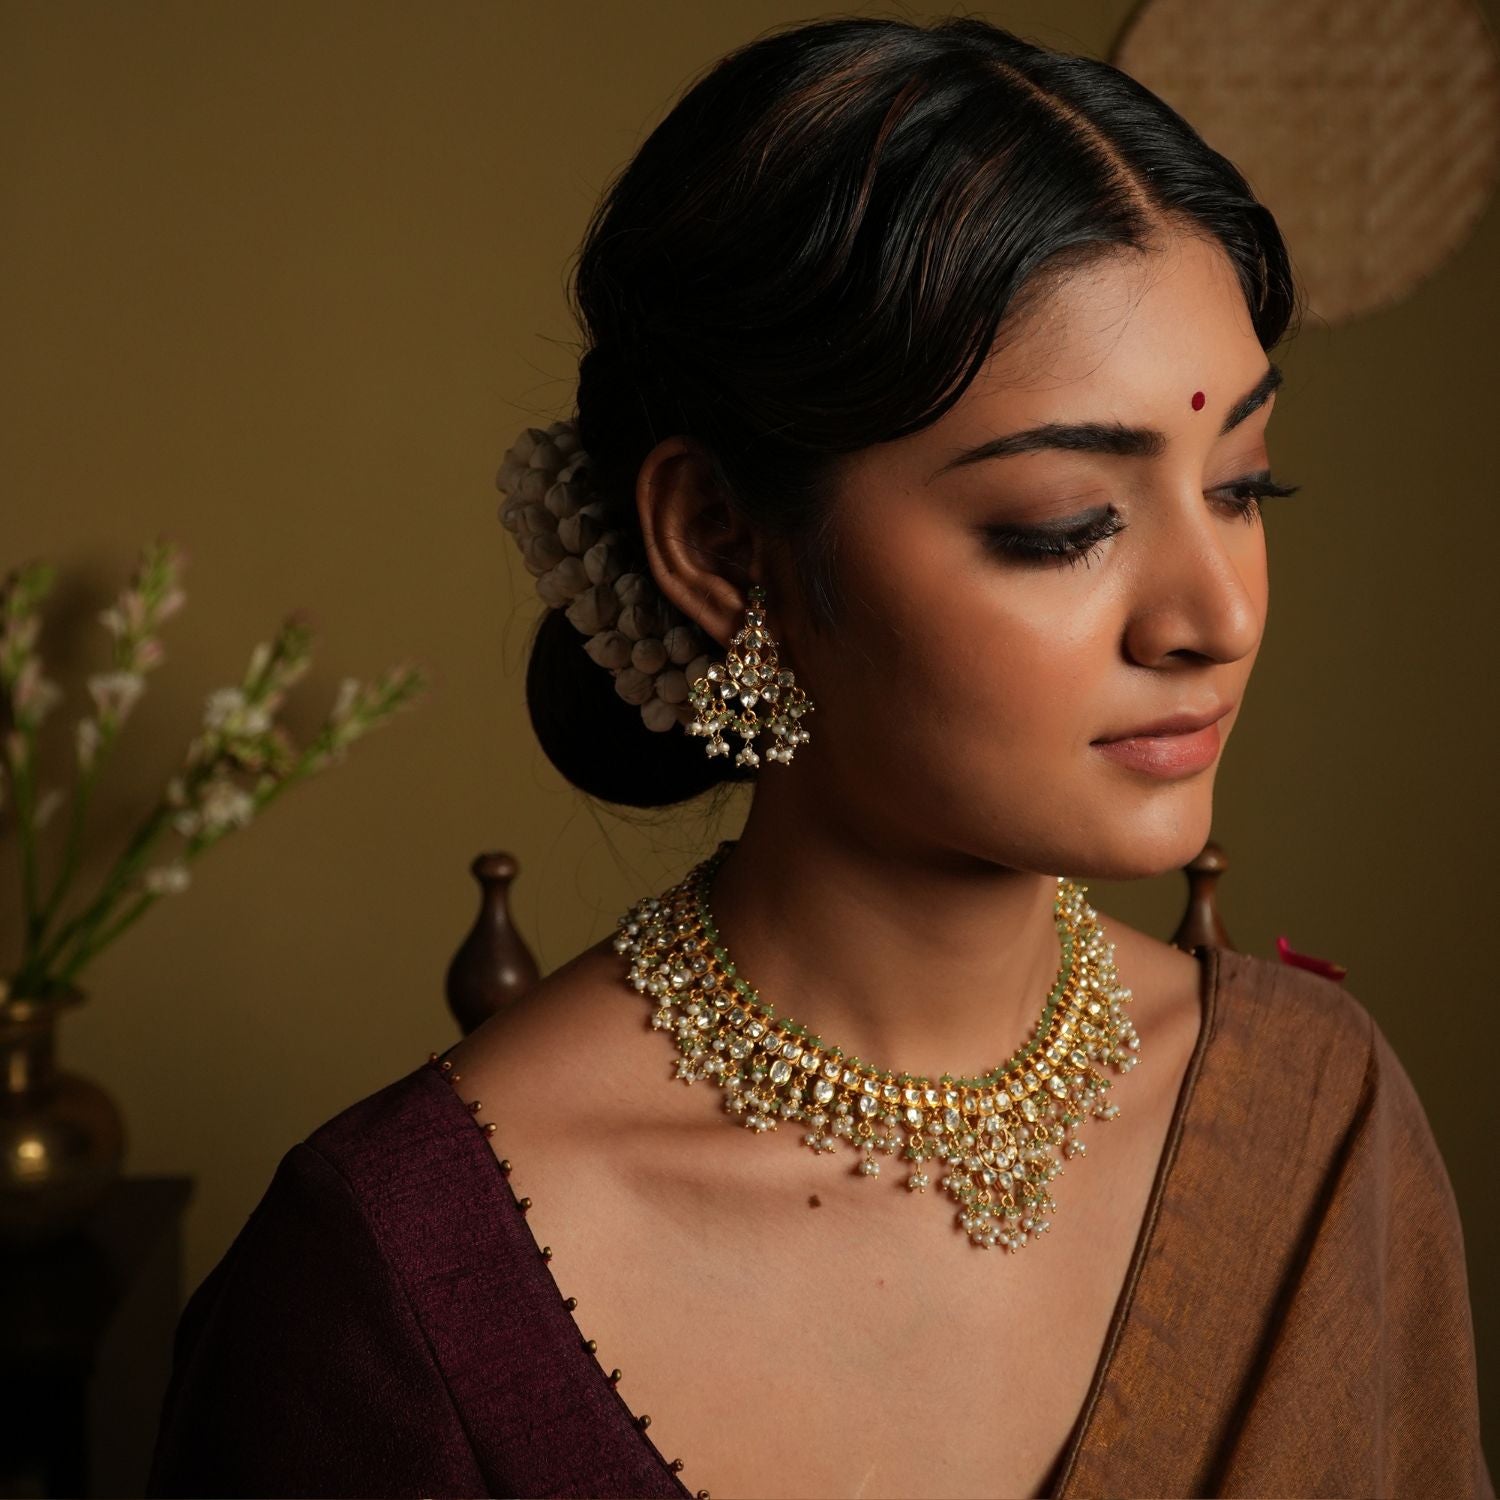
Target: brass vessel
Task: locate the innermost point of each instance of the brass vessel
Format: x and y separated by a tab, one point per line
62	1138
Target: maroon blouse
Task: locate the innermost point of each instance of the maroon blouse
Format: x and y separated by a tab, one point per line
1295	1318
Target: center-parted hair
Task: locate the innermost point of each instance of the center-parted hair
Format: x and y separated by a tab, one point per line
814	252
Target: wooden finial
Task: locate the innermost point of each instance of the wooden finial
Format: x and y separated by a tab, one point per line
493	966
1201	925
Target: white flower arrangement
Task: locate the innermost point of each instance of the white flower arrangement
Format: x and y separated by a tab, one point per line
205	801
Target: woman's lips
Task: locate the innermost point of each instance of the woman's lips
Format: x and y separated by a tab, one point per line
1165	754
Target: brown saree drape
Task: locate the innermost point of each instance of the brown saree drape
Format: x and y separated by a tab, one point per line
1299	1319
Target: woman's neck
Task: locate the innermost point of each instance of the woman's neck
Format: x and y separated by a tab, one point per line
911	961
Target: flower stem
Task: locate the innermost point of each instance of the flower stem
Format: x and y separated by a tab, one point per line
82	795
36	963
91	943
25	798
97	936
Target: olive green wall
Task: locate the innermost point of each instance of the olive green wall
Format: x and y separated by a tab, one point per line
282	280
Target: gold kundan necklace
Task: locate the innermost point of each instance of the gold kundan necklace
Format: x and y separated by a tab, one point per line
1001	1137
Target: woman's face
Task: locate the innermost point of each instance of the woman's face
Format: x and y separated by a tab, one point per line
965	696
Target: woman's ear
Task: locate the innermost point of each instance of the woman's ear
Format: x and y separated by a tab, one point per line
702	554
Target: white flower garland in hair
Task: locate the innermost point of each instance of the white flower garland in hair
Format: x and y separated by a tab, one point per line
653	650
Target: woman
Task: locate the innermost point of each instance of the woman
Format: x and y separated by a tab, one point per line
940	360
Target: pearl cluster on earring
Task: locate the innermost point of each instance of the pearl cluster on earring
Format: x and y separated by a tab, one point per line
751	674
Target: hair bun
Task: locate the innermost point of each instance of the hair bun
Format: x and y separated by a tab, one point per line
560	526
599	742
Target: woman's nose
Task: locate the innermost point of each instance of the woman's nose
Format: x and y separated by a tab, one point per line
1200	585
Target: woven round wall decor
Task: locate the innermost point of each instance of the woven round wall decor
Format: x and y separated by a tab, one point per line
1370	130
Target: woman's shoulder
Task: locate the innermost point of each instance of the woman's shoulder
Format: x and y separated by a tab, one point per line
567	1053
408	1128
1293	1029
386	1288
313	1322
428	1125
1294	1051
1275	997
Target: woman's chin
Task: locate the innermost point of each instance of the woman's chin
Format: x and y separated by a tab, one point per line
1147	853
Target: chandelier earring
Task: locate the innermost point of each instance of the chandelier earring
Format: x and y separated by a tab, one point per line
727	695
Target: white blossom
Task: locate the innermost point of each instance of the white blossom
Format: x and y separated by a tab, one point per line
348	695
257	719
114	693
223	805
33	695
126	616
88	742
221	707
259	659
228	712
46	805
167	880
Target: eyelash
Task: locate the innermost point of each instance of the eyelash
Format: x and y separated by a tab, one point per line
1042	547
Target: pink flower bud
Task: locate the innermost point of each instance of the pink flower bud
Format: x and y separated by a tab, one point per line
1324	966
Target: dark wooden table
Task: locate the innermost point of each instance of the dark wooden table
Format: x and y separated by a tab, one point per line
86	1346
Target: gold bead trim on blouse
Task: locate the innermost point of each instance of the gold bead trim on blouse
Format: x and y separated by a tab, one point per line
489	1127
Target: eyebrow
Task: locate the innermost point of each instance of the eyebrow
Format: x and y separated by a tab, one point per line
1108	437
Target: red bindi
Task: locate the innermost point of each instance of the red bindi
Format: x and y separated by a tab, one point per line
1197	400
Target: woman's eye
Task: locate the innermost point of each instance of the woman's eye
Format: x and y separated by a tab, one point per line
1069	544
1246	494
1075	542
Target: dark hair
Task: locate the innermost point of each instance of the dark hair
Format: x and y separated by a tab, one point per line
814	252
